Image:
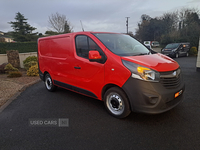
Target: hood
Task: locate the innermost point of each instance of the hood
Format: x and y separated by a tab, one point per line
158	62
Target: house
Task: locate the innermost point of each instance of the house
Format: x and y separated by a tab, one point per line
5	38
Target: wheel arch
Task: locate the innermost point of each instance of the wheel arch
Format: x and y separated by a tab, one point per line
44	74
108	86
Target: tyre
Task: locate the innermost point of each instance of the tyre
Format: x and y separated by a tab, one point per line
116	102
49	83
187	54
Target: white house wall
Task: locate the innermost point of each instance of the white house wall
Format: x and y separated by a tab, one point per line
22	57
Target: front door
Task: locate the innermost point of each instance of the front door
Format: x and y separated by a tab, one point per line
89	75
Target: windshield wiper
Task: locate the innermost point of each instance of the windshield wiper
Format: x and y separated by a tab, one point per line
144	53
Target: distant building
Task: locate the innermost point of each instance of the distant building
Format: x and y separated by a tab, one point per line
3	37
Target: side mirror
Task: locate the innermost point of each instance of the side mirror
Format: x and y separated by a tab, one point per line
94	55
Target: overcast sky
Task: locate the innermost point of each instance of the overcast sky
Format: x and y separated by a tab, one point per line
96	15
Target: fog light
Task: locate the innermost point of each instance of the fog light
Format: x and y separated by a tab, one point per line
153	100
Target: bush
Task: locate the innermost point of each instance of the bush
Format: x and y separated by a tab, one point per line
2	67
193	51
22	47
9	68
33	71
14	74
30	58
30	61
29	64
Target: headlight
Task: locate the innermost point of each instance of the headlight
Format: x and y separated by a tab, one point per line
141	72
173	50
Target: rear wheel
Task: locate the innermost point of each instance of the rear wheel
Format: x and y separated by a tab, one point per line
49	83
116	102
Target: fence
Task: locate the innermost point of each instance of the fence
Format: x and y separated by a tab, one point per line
22	57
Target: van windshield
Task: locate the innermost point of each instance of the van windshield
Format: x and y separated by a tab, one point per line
122	45
172	46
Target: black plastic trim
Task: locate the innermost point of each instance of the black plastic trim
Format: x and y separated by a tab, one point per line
74	88
41	75
142	93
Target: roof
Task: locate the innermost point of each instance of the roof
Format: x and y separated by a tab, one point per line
3	36
1	33
68	34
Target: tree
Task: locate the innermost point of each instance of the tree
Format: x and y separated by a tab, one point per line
178	26
145	17
142	33
59	24
131	34
189	26
51	33
22	30
67	28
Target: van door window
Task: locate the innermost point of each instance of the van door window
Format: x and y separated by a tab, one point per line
82	48
84	44
186	47
94	46
181	48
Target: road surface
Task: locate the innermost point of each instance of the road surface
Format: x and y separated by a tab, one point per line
90	127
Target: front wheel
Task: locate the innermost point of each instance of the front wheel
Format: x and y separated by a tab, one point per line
116	102
177	55
49	83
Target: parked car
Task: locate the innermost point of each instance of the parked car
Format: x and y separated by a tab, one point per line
111	67
155	44
176	49
148	44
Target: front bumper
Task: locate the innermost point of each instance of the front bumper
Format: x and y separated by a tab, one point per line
169	53
152	97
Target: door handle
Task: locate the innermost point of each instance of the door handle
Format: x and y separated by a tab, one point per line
77	67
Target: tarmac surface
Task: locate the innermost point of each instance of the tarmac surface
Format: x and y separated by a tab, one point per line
90	127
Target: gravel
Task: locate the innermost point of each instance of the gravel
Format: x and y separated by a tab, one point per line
10	86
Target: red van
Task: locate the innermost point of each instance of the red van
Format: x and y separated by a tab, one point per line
111	67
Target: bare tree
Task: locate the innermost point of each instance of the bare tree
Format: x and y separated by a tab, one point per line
59	23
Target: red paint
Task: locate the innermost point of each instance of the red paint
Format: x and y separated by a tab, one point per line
57	56
158	62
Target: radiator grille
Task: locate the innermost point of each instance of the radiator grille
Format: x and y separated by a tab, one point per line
170	79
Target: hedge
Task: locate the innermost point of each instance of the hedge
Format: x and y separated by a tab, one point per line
21	47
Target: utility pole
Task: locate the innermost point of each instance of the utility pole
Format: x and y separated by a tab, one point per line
127	24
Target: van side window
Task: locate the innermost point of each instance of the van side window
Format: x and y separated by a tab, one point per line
82	48
84	44
93	45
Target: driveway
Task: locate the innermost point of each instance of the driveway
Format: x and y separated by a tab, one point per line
91	127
